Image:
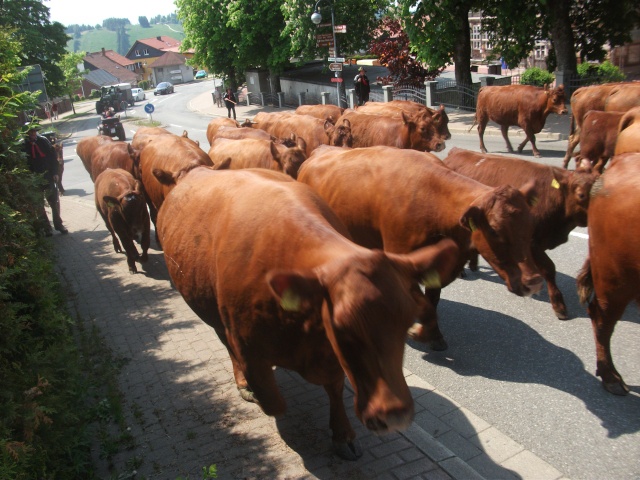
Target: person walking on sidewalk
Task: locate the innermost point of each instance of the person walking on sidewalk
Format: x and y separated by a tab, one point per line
218	97
42	159
54	110
230	102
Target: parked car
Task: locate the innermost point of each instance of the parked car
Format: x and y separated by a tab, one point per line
138	94
163	88
201	74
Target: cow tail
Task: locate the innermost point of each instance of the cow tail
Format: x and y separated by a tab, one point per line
475	122
585	282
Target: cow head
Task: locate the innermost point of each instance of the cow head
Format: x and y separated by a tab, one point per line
441	122
291	158
555	100
575	188
340	135
501	228
368	303
422	133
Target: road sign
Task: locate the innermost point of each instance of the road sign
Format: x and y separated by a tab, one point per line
336	79
149	108
337	59
325	43
323	37
335	67
340	29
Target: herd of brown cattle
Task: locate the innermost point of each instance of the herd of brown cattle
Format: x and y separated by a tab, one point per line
317	240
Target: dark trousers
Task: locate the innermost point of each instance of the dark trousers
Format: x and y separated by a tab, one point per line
232	107
51	194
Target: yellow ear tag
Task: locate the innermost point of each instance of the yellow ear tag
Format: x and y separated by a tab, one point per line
534	200
431	279
555	183
111	204
290	301
472	225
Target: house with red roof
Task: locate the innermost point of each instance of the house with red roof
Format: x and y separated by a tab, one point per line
146	52
114	64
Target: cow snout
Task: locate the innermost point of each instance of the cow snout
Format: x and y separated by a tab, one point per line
440	146
389	419
525	285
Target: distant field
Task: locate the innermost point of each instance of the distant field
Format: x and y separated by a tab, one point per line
94	40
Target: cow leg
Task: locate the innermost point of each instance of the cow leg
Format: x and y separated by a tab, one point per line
548	270
261	381
505	134
145	239
573	143
482	125
153	214
132	254
603	321
344	437
426	330
114	238
530	138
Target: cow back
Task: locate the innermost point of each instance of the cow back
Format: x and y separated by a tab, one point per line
282	125
396	107
112	155
623	98
217	123
323	112
87	146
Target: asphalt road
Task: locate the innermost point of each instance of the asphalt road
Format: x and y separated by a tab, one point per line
510	361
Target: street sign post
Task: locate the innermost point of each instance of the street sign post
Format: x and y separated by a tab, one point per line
336	80
336	59
335	67
149	108
340	29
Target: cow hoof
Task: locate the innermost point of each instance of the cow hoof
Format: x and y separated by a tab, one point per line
348	450
417	333
537	155
561	314
247	395
617	388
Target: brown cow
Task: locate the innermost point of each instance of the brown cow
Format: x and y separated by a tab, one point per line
145	135
114	155
312	130
323	112
623	98
122	206
592	97
611	273
629	132
170	153
406	131
394	107
523	105
218	122
562	198
598	137
401	200
257	153
289	289
86	146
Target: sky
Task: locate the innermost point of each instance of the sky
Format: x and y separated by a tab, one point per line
92	12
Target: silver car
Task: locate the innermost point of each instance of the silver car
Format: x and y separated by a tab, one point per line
138	94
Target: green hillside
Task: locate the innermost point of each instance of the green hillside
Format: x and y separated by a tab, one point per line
94	40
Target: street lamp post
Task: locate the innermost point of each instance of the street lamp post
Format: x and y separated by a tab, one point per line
316	18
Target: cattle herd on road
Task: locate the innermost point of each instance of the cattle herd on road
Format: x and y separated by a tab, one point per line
317	240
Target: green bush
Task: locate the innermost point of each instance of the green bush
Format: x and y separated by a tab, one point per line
144	84
95	94
536	76
604	72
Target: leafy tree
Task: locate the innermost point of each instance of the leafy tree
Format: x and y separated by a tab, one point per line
360	17
393	50
73	76
43	43
114	24
144	22
439	31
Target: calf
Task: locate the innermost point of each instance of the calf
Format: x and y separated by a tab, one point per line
629	132
122	207
401	200
87	146
255	153
598	138
394	107
313	131
114	155
406	131
323	112
611	274
289	289
562	199
522	105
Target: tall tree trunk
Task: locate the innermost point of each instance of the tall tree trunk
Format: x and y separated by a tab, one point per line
462	50
562	35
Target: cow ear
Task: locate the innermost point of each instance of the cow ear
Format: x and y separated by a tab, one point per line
275	153
302	145
625	121
223	165
432	266
529	192
295	291
472	218
163	176
328	127
185	134
405	117
111	202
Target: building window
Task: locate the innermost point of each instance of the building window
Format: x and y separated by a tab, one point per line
145	51
137	53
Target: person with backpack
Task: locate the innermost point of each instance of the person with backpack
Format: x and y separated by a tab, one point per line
362	86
